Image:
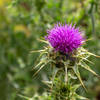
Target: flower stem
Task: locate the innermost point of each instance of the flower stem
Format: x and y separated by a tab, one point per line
66	76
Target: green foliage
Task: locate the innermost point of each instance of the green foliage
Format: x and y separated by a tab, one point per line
22	22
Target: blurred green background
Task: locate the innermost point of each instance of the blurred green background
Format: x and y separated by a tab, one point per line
22	22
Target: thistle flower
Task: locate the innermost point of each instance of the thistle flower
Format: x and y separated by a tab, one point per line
65	38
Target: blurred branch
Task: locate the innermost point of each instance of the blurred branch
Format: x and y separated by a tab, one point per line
61	3
92	17
26	6
60	6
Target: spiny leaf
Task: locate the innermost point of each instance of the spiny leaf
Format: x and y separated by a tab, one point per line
41	40
48	83
78	75
54	75
86	60
76	87
43	60
72	76
88	39
89	69
39	69
42	53
37	65
80	97
75	68
37	51
23	97
93	54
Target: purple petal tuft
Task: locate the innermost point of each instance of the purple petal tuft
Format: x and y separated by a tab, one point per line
64	38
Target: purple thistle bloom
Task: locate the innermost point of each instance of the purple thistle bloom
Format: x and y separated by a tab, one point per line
65	38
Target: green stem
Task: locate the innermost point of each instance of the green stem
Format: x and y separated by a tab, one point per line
66	76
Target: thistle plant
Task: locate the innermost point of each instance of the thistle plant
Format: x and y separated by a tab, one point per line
65	54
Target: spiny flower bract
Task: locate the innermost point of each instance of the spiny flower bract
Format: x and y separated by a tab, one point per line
65	38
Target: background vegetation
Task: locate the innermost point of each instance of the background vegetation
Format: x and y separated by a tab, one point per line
22	22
